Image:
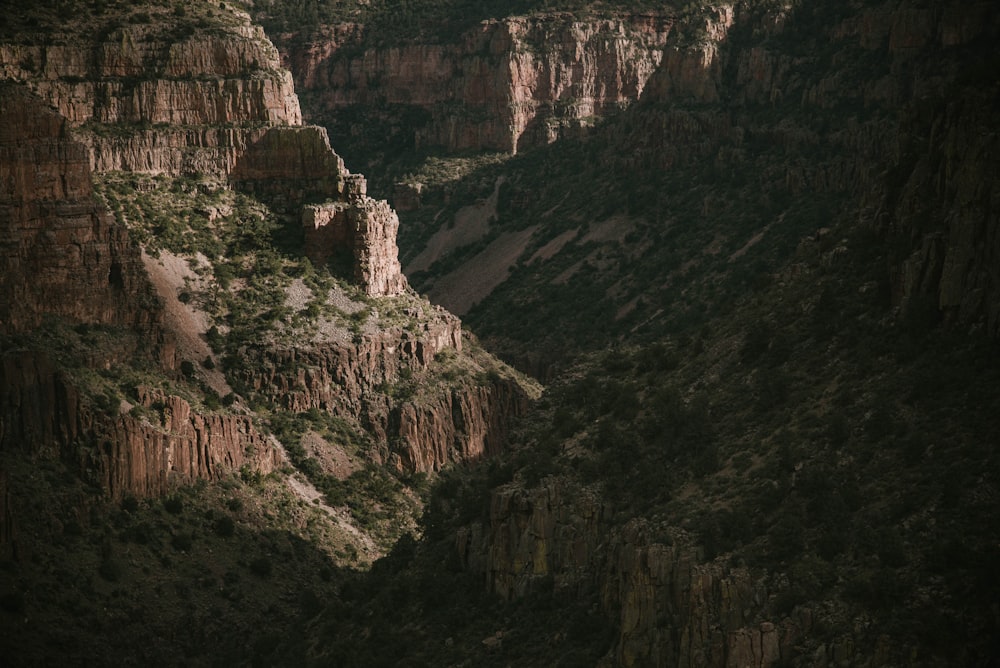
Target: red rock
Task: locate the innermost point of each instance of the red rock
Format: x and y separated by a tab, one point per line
506	84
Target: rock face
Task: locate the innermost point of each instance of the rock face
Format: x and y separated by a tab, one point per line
164	96
438	424
60	254
293	166
364	227
918	159
669	608
917	151
62	257
42	413
505	85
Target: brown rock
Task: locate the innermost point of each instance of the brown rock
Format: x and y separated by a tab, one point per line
504	85
142	100
41	413
60	254
291	165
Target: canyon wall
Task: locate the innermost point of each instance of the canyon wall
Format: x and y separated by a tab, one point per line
63	258
894	112
291	167
669	607
386	382
910	136
60	254
505	85
159	94
143	454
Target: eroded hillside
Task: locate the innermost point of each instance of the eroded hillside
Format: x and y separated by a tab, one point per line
750	245
785	249
202	309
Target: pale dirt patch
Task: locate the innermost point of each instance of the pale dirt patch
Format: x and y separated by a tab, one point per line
564	278
715	246
615	228
473	281
184	321
547	251
749	244
471	224
627	308
331	457
342	301
297	295
340	516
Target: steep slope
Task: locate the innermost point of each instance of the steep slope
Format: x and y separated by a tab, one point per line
180	126
760	120
790	459
507	84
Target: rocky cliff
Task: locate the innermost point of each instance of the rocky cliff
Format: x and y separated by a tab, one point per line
158	91
884	111
64	259
393	383
507	84
914	129
60	254
141	453
892	109
668	606
291	167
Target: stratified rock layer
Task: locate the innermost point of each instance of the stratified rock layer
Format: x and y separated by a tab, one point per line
669	608
165	96
62	257
463	419
60	254
42	413
507	84
364	227
290	167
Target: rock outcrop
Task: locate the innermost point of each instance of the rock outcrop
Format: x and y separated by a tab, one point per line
463	423
163	95
60	254
668	606
505	85
430	425
291	167
42	413
62	257
365	228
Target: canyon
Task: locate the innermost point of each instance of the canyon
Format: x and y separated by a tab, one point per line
217	105
703	490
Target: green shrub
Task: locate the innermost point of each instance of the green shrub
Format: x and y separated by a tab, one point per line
173	505
182	541
261	567
224	526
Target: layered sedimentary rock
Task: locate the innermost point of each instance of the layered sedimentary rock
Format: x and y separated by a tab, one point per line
290	167
43	413
339	375
460	424
60	254
507	84
62	257
364	227
669	608
435	425
163	95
